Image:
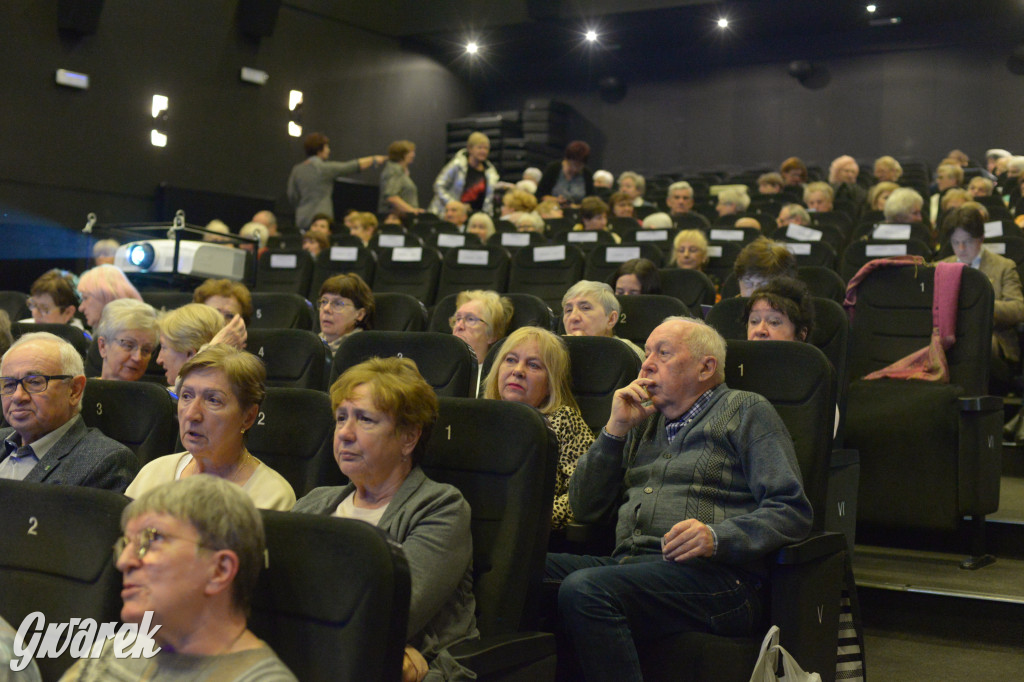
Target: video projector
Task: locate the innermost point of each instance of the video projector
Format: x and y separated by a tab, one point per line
196	259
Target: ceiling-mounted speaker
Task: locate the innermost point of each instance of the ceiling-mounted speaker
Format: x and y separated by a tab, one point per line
257	18
801	69
81	17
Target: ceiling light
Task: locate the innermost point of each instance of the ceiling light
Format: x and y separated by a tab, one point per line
157	139
591	36
872	8
723	23
159	104
472	48
294	99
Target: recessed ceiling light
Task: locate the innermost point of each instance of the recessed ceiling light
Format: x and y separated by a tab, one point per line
472	48
591	36
872	8
723	23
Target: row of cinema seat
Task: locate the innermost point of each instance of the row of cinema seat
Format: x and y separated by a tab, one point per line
328	628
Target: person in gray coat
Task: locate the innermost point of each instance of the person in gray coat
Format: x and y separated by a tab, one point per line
384	411
42	383
311	183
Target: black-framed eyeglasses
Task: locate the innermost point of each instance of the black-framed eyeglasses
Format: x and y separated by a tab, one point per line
143	540
32	383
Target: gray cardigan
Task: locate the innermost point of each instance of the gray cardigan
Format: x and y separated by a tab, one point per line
431	522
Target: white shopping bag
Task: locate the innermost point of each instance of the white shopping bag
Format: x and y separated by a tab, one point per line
768	663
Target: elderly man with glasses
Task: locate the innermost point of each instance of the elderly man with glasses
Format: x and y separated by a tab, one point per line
41	384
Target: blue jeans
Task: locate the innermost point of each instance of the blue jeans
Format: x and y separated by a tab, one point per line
603	603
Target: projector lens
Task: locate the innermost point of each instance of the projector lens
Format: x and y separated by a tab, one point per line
142	256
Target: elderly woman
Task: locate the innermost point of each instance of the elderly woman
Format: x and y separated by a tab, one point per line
228	297
481	318
516	202
732	200
532	367
219	394
633	185
384	412
794	172
761	261
792	214
903	206
346	306
657	221
819	196
362	225
690	250
879	194
98	287
398	193
591	309
636	276
980	187
781	310
769	183
530	222
182	333
126	337
468	178
53	299
315	243
594	217
481	225
842	175
622	205
190	557
947	176
104	251
569	180
887	169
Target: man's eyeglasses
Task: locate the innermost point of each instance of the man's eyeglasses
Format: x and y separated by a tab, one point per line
130	347
33	383
335	305
143	540
468	320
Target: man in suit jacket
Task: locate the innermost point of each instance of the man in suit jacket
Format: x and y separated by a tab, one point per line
42	379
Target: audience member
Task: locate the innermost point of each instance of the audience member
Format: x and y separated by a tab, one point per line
104	251
469	178
590	309
953	198
549	208
887	169
481	319
219	394
532	367
258	232
878	194
228	297
363	226
781	310
384	412
819	196
992	156
216	231
732	200
315	243
690	250
569	180
191	555
268	220
980	187
183	332
528	186
603	180
345	306
534	174
530	222
594	218
633	186
748	222
481	225
842	175
98	287
793	214
43	378
761	261
622	205
515	202
321	224
53	299
903	206
690	550
457	213
657	221
126	337
311	183
769	183
398	194
636	276
794	172
947	176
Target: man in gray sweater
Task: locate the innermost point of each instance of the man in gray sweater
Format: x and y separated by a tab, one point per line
706	484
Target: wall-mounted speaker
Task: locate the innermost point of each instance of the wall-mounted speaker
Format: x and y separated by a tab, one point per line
257	18
79	16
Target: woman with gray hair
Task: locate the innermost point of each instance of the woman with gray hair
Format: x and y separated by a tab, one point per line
903	206
732	200
590	309
220	391
126	337
190	557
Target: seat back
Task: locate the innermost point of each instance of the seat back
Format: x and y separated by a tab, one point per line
822	281
600	366
660	237
585	240
411	270
692	287
446	362
642	313
73	335
547	272
858	253
333	601
55	556
451	238
825	233
304	456
276	310
398	312
727	232
167	300
341	259
798	380
513	241
140	415
886	231
604	259
474	267
821	254
893	318
285	270
721	257
509	485
294	358
16	305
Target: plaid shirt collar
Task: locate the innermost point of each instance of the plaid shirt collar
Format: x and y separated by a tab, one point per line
673	427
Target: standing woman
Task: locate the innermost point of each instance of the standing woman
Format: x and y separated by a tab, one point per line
311	183
398	194
468	178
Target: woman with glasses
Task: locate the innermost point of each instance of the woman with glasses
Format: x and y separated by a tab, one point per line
532	367
190	559
220	391
98	287
345	307
53	299
384	412
481	318
126	337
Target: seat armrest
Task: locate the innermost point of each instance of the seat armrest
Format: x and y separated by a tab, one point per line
981	403
843	457
816	546
490	655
